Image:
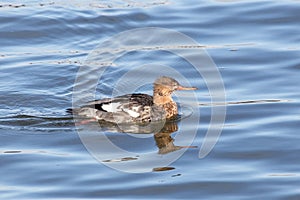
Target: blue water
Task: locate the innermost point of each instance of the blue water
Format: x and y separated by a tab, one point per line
255	47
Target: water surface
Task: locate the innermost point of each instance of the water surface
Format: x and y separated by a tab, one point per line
254	44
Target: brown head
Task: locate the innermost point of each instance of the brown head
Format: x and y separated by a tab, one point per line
162	94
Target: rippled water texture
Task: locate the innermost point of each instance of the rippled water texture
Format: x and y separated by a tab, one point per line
255	47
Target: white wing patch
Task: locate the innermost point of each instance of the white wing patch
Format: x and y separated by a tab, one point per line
118	107
112	107
132	113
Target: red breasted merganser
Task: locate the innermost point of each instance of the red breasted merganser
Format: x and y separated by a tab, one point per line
137	108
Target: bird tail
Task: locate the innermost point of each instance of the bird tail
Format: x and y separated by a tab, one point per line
70	111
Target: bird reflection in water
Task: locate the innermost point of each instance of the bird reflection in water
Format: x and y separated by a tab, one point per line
162	133
165	142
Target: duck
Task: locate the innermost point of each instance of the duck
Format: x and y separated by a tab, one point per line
137	108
